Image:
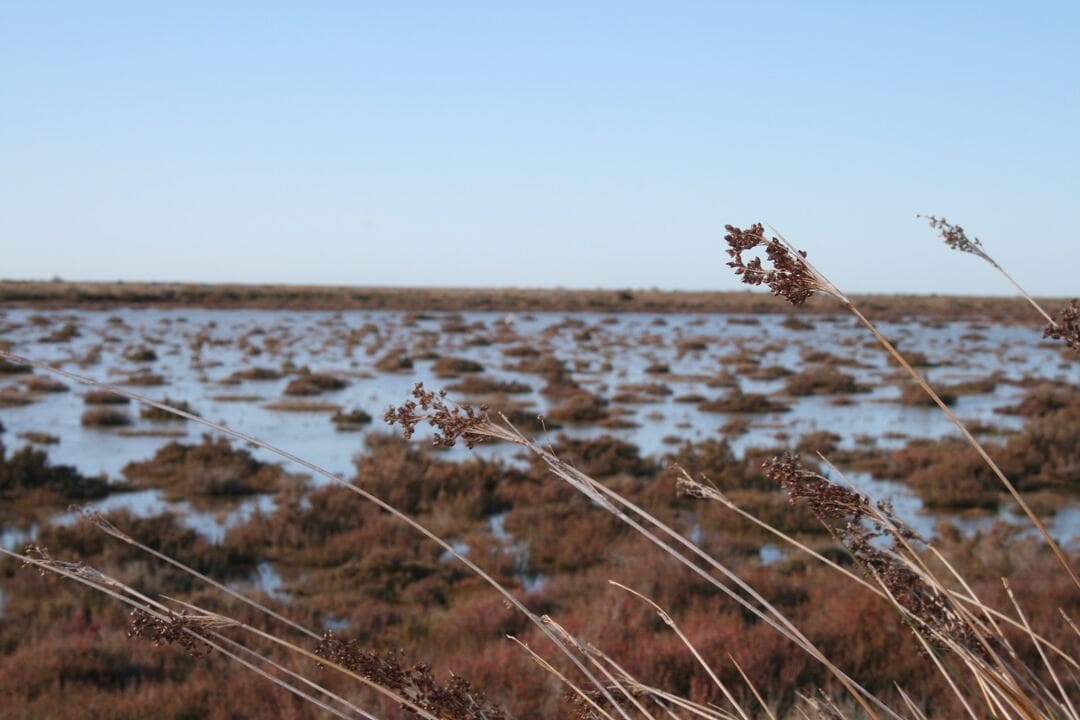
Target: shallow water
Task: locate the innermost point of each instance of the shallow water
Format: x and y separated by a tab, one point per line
198	348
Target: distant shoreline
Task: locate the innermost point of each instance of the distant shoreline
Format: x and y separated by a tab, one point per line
109	295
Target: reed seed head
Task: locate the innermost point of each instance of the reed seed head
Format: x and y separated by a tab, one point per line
1066	326
789	277
451	422
956	237
861	527
177	628
456	700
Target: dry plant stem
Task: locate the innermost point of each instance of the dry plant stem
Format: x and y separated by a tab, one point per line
589	653
967	436
990	613
754	690
324	661
143	602
631	680
392	695
562	678
110	529
607	499
916	565
927	648
1024	294
318	470
957	239
295	675
689	645
1042	655
151	609
919	714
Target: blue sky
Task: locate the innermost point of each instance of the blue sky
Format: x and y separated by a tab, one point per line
562	144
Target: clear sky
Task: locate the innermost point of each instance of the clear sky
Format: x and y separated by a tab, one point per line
577	144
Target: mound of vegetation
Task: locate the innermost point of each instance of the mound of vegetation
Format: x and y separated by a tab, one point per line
256	374
739	402
104	397
396	360
105	417
42	384
603	456
914	396
140	353
156	414
213	467
28	470
822	380
9	368
350	421
1044	399
312	383
479	385
580	406
446	367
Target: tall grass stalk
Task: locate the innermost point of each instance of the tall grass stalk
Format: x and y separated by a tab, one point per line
957	239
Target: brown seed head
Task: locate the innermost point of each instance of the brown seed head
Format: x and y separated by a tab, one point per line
955	236
452	422
456	700
863	528
1066	326
175	629
790	277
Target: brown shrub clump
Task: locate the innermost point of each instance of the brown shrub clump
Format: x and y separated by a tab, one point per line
9	368
314	384
104	397
476	385
41	384
156	414
915	396
824	380
602	457
446	367
350	421
740	402
213	467
139	353
103	417
579	407
28	469
393	361
258	374
1043	399
144	379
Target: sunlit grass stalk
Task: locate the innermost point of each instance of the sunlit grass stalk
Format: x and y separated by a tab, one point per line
956	238
691	486
670	622
110	529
